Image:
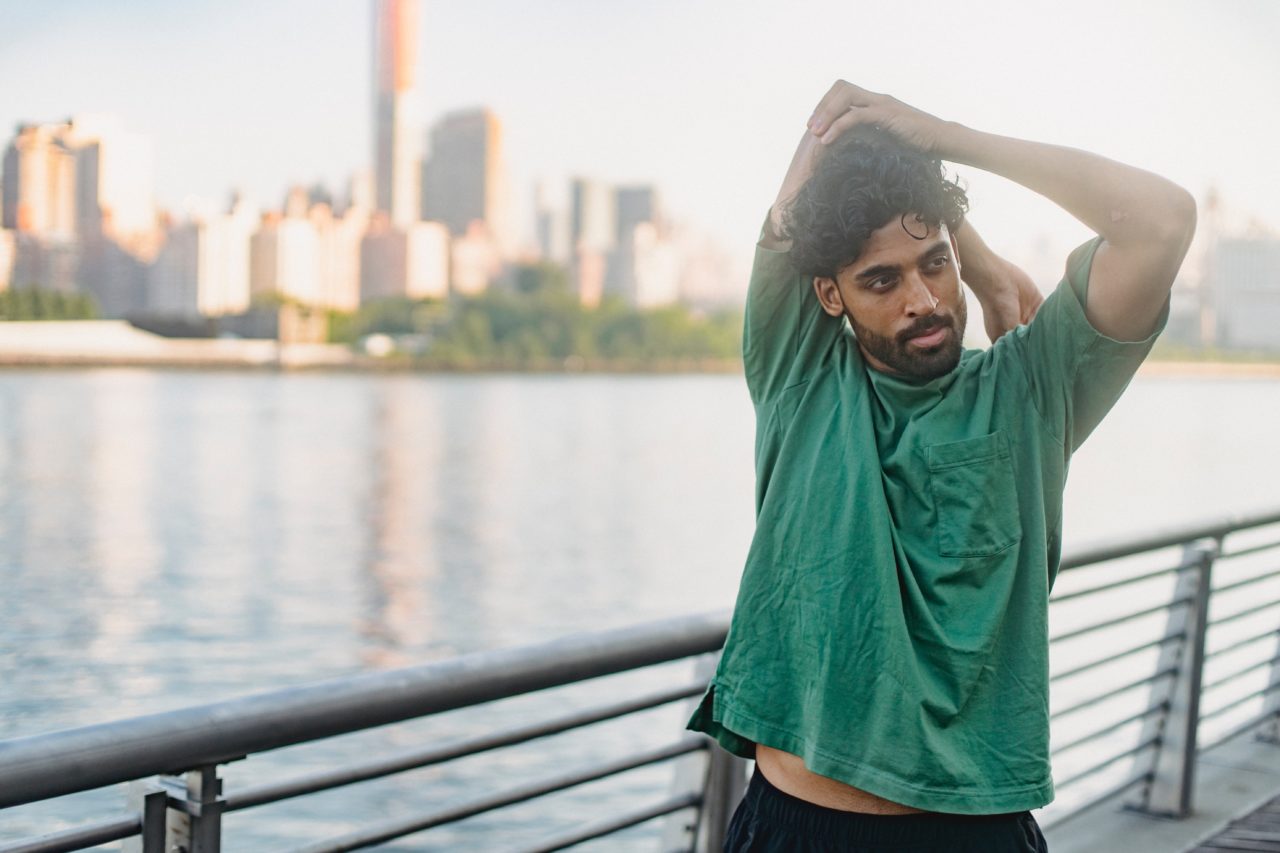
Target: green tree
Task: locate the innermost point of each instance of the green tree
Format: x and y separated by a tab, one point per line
36	303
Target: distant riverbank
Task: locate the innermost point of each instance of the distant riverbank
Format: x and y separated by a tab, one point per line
115	343
1175	367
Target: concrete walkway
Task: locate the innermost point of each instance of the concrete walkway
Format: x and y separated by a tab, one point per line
1233	780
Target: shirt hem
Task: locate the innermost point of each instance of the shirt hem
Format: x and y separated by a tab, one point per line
730	727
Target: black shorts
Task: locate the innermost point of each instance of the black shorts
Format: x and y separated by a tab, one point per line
770	820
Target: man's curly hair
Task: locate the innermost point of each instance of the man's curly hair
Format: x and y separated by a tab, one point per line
865	179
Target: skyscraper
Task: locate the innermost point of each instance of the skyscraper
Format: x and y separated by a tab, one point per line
85	177
1246	292
551	226
395	156
115	213
113	179
593	222
463	178
636	205
39	182
39	204
203	267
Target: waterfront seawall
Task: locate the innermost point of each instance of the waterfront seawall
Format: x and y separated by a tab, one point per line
116	342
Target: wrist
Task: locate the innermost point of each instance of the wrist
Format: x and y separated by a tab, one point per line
979	266
982	280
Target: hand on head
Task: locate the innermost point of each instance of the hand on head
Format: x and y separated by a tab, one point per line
846	105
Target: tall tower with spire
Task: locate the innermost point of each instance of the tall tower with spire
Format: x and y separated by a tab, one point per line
396	132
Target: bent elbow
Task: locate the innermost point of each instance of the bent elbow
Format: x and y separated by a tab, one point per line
1178	224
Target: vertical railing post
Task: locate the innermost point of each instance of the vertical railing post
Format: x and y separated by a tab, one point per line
725	786
689	772
152	803
195	824
1170	792
1270	731
721	776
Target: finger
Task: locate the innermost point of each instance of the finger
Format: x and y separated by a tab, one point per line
850	117
823	108
839	98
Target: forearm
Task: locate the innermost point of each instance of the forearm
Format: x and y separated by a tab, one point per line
1007	295
801	169
1128	206
1146	221
977	261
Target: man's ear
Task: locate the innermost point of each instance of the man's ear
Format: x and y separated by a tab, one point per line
955	248
828	295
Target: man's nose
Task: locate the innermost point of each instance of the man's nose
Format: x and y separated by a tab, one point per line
920	299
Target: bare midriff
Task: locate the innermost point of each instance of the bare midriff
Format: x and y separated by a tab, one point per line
787	773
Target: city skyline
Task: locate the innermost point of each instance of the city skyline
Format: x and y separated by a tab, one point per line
414	226
697	102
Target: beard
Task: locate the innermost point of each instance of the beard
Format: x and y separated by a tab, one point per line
912	361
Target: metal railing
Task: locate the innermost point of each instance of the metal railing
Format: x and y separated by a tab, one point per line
172	760
1163	712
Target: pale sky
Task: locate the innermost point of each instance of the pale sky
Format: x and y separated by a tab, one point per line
704	99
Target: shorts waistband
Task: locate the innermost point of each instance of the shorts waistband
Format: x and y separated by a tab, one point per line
923	828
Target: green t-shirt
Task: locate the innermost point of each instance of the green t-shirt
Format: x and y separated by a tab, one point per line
891	622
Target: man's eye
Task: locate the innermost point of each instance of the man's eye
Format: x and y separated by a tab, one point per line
941	261
881	283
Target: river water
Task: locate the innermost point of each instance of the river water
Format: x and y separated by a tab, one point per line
172	537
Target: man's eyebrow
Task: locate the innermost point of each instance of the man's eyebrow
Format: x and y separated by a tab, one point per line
881	269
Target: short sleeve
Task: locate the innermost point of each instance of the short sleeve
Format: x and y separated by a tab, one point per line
785	332
1074	372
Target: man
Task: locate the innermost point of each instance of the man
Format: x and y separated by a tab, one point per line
887	661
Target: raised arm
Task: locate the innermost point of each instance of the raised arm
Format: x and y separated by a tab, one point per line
1146	222
802	165
785	333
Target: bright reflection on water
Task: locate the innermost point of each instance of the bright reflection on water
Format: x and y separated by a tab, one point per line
169	538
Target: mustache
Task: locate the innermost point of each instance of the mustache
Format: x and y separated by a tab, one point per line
924	325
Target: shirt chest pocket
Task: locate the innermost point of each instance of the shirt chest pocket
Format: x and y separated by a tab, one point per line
975	495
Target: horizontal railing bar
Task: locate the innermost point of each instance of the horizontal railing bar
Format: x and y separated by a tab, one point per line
1240	643
275	791
1151	741
1108	729
1106	550
391	830
1255	579
1252	549
1253	638
1180	635
1236	731
1116	691
49	765
79	838
1120	620
607	827
1240	614
1103	796
1240	673
1237	702
1080	593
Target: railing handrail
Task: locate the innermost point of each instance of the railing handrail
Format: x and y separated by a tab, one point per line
1115	548
49	765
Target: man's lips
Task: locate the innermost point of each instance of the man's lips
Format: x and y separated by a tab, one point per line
931	338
